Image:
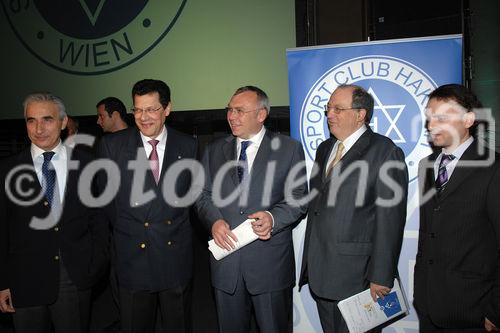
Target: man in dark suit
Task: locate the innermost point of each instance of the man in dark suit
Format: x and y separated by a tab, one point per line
457	271
111	115
262	274
53	248
152	235
356	222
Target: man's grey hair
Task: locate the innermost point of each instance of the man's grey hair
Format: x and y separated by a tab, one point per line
261	96
45	97
361	99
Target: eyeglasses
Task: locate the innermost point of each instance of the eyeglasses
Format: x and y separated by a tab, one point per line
240	112
149	111
336	110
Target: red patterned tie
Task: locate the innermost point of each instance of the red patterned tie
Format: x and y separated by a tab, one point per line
154	160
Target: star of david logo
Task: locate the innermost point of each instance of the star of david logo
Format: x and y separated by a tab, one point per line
396	110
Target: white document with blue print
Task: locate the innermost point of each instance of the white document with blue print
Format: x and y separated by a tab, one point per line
245	235
362	314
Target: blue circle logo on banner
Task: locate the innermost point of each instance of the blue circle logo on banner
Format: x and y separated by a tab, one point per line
400	91
89	37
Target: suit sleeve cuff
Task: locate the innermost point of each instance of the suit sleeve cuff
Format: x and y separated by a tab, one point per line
272	217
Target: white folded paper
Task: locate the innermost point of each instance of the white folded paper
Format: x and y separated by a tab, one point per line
361	313
245	235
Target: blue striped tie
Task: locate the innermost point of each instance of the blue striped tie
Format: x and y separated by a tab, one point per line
49	176
243	166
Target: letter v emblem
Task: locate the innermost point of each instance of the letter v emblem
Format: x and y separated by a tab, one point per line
92	16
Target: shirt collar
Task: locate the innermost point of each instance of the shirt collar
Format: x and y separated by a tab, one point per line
351	139
459	151
255	139
36	151
161	137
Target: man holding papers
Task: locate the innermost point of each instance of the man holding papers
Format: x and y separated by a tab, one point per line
356	222
253	174
457	271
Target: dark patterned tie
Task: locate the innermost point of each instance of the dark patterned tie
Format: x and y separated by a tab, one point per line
442	177
243	165
49	176
154	161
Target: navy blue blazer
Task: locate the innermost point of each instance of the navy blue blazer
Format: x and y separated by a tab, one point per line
153	240
30	259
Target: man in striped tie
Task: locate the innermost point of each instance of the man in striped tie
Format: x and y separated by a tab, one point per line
457	271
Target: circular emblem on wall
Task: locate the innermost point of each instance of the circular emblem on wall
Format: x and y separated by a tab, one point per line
90	37
400	91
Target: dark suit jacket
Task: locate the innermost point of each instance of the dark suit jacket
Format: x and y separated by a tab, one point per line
348	245
153	241
457	272
265	265
29	266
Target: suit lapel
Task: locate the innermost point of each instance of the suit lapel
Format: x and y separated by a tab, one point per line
426	177
261	159
171	154
460	173
324	160
71	176
136	151
355	153
430	174
26	159
229	151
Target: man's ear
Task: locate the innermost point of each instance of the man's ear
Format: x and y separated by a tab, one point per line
361	115
168	109
64	122
262	115
469	119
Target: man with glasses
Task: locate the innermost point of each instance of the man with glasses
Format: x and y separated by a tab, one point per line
354	232
260	275
152	236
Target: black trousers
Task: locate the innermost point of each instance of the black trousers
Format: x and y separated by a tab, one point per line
330	316
427	326
105	316
138	310
69	313
273	310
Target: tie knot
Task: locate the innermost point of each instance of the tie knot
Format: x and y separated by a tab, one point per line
445	159
340	147
448	157
47	156
153	143
245	144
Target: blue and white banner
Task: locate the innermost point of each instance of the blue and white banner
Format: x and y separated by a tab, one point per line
399	74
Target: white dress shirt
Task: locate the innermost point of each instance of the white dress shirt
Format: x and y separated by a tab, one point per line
251	151
252	148
348	143
160	147
59	161
458	152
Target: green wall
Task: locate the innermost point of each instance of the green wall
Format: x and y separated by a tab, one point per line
213	48
485	46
